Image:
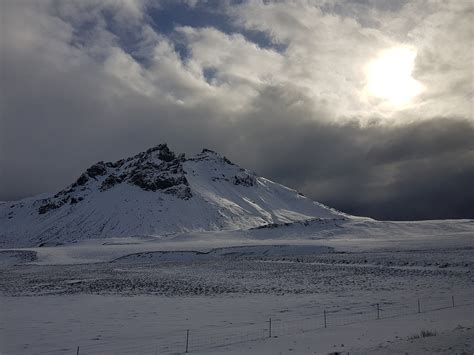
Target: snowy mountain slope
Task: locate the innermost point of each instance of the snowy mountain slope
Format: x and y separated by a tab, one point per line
154	193
364	229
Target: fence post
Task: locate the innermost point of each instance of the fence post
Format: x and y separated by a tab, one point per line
378	311
452	299
77	351
419	306
325	320
270	327
187	340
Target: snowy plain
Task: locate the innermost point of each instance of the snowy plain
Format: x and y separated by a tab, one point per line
140	295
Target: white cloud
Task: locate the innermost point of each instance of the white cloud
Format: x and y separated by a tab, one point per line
327	52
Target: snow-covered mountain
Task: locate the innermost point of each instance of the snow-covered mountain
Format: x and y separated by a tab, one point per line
155	193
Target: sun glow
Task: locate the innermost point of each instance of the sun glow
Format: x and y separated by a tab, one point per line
389	76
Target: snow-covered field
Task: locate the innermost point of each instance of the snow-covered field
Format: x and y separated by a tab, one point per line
140	295
187	273
141	324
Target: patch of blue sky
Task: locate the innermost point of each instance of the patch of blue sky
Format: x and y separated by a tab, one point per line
166	18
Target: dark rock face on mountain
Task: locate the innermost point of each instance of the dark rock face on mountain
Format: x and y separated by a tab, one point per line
48	206
244	179
152	177
110	181
157	169
206	154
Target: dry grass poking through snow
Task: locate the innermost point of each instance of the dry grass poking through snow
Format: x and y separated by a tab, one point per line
423	334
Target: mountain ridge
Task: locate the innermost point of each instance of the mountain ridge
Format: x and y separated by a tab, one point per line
155	192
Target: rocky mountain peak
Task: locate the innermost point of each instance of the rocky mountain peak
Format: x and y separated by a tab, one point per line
208	154
156	169
155	192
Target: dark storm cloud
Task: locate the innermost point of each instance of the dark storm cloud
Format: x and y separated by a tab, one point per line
421	140
415	171
67	103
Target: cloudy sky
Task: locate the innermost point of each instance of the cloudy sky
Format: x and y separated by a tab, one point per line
365	105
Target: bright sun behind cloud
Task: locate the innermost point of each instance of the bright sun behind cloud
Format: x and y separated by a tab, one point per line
389	76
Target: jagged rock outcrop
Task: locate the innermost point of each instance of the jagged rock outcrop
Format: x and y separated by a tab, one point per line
244	179
157	169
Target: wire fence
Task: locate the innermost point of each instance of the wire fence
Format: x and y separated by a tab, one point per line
196	340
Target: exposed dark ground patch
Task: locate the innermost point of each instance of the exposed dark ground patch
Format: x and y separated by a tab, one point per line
308	274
